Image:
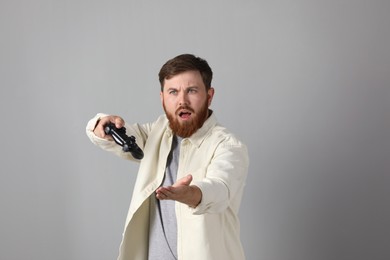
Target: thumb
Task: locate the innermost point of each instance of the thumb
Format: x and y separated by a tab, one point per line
186	180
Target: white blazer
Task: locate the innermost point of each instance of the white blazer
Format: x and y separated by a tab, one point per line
218	162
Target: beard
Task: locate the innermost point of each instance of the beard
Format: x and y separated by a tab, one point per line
185	129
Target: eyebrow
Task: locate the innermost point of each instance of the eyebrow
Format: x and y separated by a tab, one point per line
190	87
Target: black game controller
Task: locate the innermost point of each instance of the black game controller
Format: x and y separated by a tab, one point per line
127	142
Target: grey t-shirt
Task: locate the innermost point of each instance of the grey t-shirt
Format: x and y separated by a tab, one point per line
163	225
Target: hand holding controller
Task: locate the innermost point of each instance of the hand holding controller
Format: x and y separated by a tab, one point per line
127	142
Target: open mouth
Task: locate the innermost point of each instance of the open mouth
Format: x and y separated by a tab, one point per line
184	114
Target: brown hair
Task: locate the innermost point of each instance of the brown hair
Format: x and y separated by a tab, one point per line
183	63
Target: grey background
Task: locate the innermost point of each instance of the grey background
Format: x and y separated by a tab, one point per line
306	84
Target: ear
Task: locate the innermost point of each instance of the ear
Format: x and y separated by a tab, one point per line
161	98
210	95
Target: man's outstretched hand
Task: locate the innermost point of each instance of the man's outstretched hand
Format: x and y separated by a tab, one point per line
181	191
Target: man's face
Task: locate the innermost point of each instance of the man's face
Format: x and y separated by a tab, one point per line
186	101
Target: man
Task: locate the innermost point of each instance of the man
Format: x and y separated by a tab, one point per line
190	182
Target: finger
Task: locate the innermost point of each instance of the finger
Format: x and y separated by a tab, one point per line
186	180
119	122
116	120
99	130
161	196
165	193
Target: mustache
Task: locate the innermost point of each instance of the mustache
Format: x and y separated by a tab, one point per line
184	108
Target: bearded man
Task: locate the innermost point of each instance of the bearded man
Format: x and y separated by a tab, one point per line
190	182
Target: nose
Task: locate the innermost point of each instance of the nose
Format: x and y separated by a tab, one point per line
183	98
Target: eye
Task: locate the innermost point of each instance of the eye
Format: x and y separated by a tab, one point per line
172	92
192	91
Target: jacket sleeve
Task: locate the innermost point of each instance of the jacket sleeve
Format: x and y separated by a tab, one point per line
225	179
140	133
